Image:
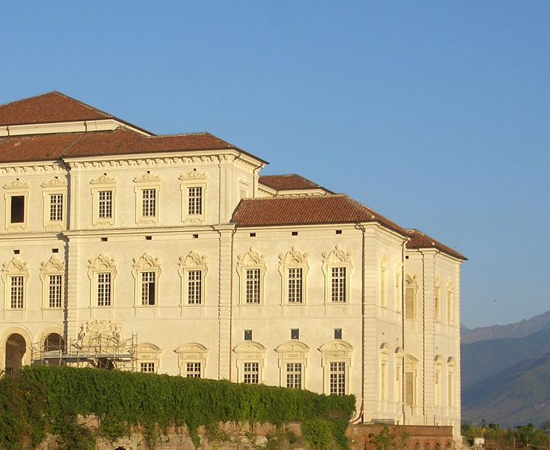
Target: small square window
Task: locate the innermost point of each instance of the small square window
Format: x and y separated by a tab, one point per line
16	252
247	335
195	236
294	333
338	231
104	239
294	233
55	250
252	234
148	238
338	333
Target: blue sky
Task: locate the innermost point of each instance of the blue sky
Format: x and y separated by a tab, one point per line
435	114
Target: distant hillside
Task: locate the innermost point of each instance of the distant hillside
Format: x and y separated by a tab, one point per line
487	358
514	330
518	395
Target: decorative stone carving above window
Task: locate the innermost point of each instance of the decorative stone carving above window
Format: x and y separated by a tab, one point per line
193	194
55	182
193	269
147	191
52	274
251	268
337	267
293	267
146	272
190	353
103	201
250	351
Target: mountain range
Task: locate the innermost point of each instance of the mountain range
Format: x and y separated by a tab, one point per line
506	379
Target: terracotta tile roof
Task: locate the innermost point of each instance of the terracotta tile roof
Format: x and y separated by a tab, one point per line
420	240
306	210
49	147
288	182
48	108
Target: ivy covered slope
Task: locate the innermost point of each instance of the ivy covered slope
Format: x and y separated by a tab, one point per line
45	400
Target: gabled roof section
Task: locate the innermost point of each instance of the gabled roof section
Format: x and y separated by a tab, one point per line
48	108
307	210
119	142
419	240
288	182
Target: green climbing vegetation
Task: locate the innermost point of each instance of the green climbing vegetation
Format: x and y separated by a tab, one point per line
42	400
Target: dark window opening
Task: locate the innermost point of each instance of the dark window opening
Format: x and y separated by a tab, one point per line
16	252
18	209
295	333
338	333
148	238
247	335
338	231
294	233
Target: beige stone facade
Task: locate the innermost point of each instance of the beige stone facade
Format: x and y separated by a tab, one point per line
172	254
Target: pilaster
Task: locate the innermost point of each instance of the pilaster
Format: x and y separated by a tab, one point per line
225	266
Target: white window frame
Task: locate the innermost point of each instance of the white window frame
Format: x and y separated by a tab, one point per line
411	371
189	181
143	265
192	352
294	259
399	356
450	304
252	260
437	298
292	352
452	397
103	184
101	265
53	267
142	184
337	259
11	270
16	188
411	288
188	264
250	352
438	363
383	281
384	371
55	187
148	353
336	351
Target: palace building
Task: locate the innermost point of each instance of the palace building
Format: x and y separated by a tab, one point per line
174	254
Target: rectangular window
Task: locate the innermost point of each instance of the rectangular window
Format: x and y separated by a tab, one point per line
56	207
105	204
149	202
294	375
251	373
409	388
147	367
104	289
337	379
147	288
295	285
16	292
253	286
338	284
17	209
194	287
194	195
55	288
384	381
193	370
450	389
409	303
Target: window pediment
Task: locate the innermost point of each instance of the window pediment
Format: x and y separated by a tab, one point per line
16	184
385	348
101	264
147	178
191	347
293	349
250	348
146	262
336	347
55	183
103	179
193	175
293	258
15	267
53	266
336	257
251	258
193	261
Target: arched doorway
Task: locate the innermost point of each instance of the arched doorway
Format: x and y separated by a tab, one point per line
53	349
16	347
